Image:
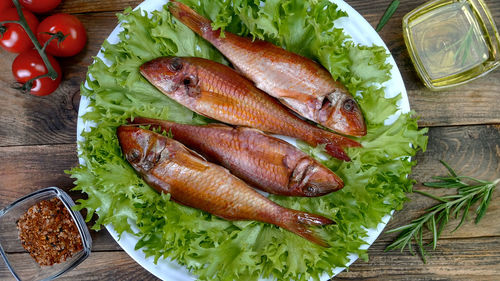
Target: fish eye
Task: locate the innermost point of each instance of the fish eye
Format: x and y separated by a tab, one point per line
175	65
348	105
133	155
186	81
311	189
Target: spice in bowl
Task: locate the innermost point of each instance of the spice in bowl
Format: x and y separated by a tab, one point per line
48	233
44	224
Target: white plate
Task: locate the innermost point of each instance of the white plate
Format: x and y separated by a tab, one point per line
361	32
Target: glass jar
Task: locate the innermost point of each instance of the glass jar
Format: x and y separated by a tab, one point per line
451	42
24	267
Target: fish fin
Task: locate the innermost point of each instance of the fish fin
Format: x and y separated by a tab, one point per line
190	18
189	158
197	163
337	152
192	153
305	98
334	143
299	223
196	154
326	137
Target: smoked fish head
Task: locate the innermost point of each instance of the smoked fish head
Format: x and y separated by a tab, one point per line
341	113
174	76
310	178
142	151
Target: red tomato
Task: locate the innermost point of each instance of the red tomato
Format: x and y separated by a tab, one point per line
29	65
4	4
39	6
15	39
67	24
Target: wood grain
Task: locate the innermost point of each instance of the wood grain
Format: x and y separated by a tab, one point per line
24	169
88	6
454	259
98	266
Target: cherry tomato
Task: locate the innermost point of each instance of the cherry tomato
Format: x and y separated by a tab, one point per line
29	65
67	24
4	4
15	39
39	6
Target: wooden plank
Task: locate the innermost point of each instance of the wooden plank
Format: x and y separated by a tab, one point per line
98	266
87	6
24	169
472	150
454	259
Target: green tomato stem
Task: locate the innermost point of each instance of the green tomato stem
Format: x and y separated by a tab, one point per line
9	21
52	73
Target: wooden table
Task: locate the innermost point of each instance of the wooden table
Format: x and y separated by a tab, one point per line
37	143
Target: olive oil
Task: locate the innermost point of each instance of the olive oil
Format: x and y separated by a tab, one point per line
451	42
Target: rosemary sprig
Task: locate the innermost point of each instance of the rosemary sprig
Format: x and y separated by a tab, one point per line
464	48
450	206
388	14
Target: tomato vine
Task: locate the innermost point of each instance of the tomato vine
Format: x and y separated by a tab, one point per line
51	73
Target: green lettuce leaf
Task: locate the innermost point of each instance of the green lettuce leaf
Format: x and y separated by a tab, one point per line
210	247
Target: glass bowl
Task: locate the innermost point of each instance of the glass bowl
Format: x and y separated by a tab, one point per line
23	266
451	42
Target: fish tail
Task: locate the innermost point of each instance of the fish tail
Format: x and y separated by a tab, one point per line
190	18
334	143
299	223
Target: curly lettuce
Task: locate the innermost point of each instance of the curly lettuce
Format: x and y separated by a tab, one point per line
212	248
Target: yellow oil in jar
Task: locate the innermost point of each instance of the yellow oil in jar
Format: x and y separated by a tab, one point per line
450	43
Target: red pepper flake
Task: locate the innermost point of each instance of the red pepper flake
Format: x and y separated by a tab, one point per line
48	232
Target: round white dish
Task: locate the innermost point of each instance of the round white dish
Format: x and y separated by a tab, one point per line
361	32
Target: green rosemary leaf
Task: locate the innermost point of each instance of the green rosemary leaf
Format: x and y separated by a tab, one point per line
401	228
434	233
444	184
464	214
388	14
450	170
442	221
431	196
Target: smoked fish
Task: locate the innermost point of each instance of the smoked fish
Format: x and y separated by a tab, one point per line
216	91
265	162
298	82
169	167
